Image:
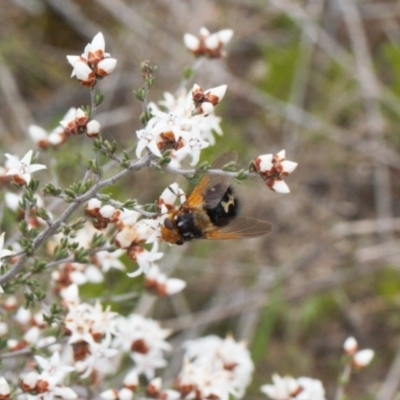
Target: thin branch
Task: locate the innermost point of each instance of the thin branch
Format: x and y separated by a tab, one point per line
16	268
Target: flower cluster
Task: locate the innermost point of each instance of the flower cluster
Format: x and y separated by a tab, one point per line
185	126
215	368
273	168
49	383
145	341
96	339
206	44
134	233
79	123
94	63
288	388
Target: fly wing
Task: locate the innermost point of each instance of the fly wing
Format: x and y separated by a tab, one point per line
208	193
240	228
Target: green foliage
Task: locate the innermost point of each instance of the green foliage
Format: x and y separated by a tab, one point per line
318	309
98	97
281	63
129	204
81	256
98	240
51	190
391	64
260	344
126	160
388	283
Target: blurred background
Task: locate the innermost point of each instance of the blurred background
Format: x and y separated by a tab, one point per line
319	78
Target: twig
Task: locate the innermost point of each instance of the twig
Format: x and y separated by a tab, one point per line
343	381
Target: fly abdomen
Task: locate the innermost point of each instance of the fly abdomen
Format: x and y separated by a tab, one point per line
226	209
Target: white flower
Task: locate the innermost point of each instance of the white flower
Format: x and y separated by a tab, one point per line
185	126
145	340
288	388
107	260
207	44
22	170
93	63
52	369
159	283
146	364
216	367
273	168
170	195
193	148
144	258
100	353
86	322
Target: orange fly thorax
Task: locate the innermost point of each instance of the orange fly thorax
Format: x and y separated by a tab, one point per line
169	230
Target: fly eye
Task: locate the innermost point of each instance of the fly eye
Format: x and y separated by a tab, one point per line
169	224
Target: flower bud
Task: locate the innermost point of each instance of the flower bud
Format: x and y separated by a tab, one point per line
110	394
131	380
4	389
350	346
93	128
92	207
125	394
191	42
106	66
363	358
29	381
